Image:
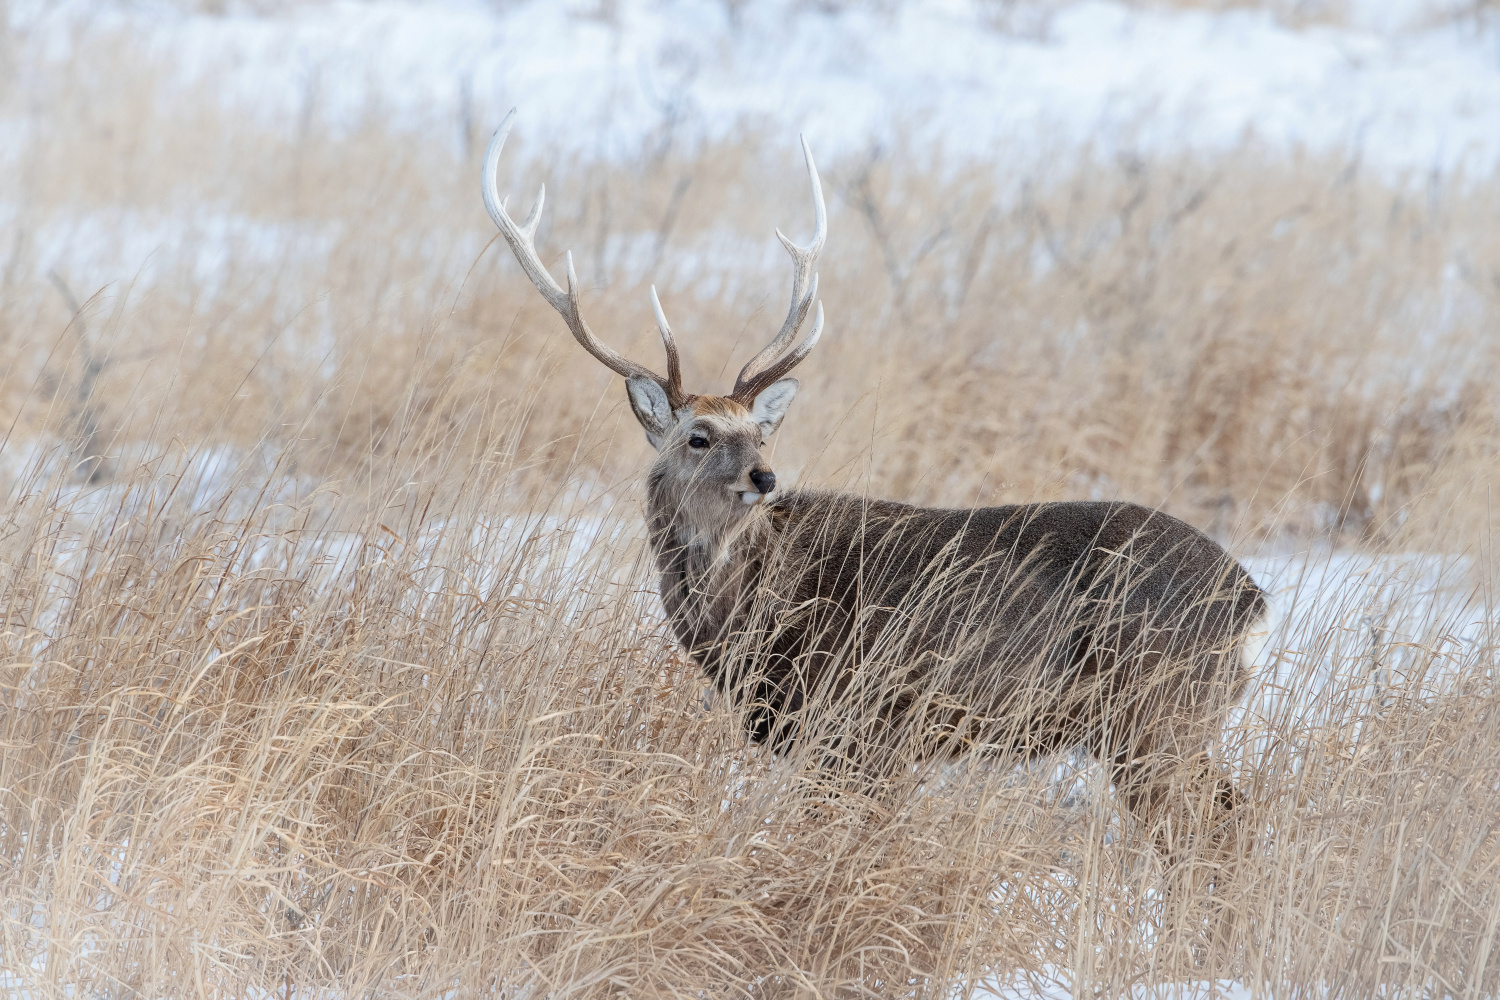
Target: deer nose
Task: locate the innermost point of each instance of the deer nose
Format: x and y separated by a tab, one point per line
764	480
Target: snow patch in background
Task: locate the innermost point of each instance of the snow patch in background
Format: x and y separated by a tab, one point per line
925	75
1055	985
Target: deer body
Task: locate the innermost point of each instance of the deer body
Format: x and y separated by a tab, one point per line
870	624
1031	628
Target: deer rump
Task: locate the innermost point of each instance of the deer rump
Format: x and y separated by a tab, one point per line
874	626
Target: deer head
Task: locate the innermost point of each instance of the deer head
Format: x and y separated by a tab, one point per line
708	447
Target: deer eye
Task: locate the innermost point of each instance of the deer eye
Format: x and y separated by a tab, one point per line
697	441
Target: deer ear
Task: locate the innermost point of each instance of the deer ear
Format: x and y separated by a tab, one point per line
649	402
771	405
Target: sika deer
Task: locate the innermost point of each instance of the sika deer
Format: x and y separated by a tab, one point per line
871	625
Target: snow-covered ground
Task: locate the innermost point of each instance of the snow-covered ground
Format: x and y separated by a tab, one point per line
1394	83
1058	986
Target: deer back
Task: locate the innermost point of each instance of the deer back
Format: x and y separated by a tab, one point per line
993	607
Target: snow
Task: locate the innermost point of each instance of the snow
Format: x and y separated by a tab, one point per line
99	246
1055	984
922	74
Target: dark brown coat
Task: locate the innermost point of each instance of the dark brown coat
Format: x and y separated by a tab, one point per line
1031	628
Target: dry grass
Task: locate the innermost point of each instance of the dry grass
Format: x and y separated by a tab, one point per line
330	663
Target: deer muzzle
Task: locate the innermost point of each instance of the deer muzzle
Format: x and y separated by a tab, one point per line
764	481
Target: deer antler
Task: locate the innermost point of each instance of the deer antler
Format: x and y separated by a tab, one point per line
764	368
522	240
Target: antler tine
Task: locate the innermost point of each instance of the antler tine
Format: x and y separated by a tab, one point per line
779	369
675	395
804	292
522	240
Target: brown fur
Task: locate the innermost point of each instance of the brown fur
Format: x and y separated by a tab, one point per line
875	627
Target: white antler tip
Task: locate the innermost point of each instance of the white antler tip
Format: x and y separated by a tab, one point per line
534	217
491	167
498	139
812	338
797	252
661	317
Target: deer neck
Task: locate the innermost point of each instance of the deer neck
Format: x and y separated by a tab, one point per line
707	551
